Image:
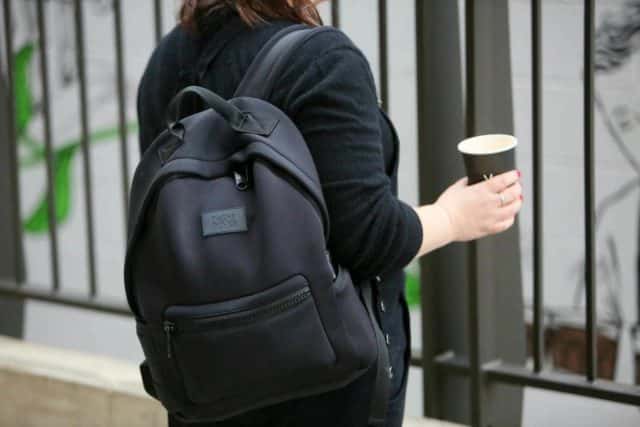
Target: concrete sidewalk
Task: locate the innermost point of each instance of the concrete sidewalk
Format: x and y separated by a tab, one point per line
46	386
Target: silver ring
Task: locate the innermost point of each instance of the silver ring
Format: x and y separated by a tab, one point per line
501	199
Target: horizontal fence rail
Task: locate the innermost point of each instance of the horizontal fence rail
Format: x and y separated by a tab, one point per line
503	373
66	298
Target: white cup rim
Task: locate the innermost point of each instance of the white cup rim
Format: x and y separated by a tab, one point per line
470	140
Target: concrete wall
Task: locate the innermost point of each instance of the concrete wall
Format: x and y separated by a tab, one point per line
48	387
44	386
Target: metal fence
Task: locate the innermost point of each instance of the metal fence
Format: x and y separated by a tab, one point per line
57	293
481	375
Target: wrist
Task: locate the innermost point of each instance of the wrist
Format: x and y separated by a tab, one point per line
450	230
437	230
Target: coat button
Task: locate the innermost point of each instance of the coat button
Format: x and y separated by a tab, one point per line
390	372
386	338
378	279
383	308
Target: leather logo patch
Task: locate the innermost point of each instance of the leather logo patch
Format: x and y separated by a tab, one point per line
224	222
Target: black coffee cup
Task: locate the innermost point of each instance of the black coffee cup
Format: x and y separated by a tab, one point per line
487	155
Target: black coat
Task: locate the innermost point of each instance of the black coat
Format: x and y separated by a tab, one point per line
329	92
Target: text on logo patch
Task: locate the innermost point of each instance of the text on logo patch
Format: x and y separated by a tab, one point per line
224	221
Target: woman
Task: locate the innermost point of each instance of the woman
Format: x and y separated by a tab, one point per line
329	92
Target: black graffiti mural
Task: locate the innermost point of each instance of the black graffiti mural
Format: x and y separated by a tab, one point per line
618	37
617	40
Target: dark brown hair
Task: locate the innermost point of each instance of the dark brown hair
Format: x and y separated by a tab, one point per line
252	12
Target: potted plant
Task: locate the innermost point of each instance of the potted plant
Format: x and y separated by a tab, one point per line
568	343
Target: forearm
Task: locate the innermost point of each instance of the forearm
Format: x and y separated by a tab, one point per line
436	228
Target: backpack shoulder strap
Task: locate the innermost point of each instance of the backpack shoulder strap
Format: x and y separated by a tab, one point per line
260	77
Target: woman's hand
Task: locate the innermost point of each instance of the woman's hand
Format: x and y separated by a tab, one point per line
467	212
476	210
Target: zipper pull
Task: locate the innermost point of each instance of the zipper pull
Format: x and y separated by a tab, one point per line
241	176
168	327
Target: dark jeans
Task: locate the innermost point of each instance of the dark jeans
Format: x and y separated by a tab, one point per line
345	407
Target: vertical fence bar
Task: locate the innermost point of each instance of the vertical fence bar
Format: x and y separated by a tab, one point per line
432	394
335	13
473	329
589	171
13	151
536	108
84	143
122	119
51	195
470	62
157	15
384	53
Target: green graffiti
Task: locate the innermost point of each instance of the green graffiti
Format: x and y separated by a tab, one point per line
22	91
412	289
37	155
37	222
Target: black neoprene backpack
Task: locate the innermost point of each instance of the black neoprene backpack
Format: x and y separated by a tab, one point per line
236	300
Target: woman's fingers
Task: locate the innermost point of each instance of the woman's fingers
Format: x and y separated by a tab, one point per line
509	211
510	194
512	202
501	226
498	183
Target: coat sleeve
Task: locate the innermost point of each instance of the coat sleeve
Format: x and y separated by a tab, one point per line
329	92
158	84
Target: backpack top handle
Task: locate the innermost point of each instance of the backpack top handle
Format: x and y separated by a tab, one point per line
238	120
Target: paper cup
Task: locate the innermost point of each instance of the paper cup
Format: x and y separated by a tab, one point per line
487	155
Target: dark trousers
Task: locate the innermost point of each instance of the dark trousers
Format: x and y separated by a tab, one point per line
345	407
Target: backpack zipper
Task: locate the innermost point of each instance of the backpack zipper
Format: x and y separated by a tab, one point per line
268	310
241	177
168	327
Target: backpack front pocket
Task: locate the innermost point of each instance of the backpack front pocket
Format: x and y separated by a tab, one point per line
249	345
